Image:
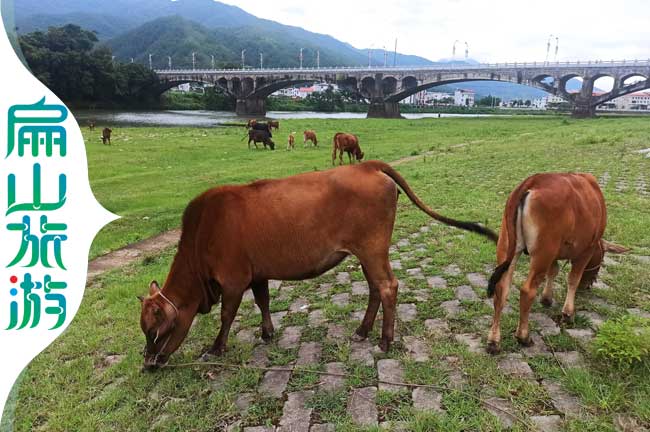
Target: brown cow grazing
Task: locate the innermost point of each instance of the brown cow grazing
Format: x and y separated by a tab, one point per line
236	237
274	124
551	217
91	125
262	136
106	136
345	142
309	135
291	144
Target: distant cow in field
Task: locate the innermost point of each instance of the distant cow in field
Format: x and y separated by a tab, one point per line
91	125
274	124
309	135
550	217
345	142
291	143
237	237
262	136
262	126
106	136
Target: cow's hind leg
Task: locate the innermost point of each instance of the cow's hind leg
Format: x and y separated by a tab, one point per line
379	274
577	268
261	293
374	300
547	294
539	267
500	300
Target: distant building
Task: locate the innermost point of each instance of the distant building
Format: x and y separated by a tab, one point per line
633	101
463	97
184	87
303	92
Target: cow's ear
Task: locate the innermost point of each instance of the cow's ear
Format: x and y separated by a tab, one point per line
153	287
613	248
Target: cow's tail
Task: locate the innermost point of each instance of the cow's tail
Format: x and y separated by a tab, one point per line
515	202
469	226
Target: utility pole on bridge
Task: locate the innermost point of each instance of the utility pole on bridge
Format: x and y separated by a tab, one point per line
317	59
169	61
243	58
261	60
300	57
150	55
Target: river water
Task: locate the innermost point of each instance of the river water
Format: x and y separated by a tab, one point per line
216	118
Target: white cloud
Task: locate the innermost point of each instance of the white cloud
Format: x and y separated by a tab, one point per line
499	30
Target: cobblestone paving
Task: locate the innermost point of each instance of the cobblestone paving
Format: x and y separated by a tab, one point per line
437	306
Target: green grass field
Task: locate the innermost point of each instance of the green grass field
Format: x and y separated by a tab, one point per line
90	379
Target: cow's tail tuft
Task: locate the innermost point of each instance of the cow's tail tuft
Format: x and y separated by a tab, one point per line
496	277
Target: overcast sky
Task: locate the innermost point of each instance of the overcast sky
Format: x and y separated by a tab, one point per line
498	30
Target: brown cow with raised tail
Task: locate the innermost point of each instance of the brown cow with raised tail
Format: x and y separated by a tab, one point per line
236	237
550	217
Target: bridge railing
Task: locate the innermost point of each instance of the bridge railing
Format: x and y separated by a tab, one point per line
445	67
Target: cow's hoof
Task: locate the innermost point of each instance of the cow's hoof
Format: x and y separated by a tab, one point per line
493	348
527	341
567	319
359	335
267	335
546	302
211	355
384	346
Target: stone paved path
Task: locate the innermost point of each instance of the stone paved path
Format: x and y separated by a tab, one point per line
421	280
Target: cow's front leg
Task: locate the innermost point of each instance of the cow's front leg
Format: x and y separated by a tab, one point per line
230	300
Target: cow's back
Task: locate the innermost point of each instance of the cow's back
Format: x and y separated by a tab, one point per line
276	224
567	207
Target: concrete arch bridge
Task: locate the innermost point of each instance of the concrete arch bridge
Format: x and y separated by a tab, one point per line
384	87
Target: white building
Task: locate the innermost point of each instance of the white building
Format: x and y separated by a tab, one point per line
633	101
463	97
303	92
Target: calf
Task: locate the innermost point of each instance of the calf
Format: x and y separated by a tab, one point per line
106	135
309	135
291	144
236	237
345	142
274	124
550	217
91	125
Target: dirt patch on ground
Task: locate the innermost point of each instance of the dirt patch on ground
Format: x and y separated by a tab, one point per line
132	252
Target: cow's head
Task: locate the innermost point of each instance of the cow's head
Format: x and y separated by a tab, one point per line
271	143
359	155
163	326
593	267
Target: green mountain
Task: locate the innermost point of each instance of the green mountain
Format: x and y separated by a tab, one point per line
105	26
275	40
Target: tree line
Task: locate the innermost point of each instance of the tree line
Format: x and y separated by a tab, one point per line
68	61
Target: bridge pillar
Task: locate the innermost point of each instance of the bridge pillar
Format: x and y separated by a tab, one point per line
582	104
382	109
251	107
